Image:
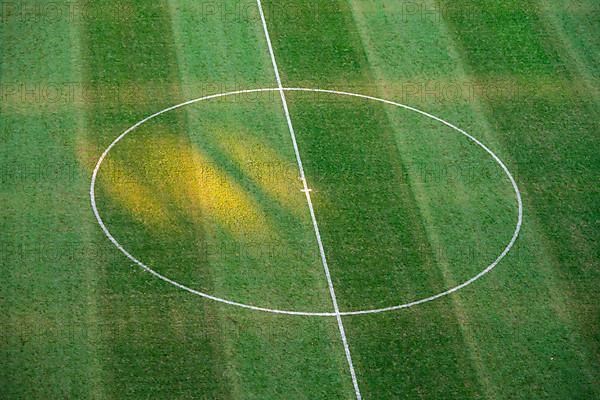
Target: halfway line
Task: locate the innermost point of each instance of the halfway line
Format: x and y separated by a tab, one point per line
310	205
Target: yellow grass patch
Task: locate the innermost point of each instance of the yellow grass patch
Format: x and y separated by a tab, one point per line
275	176
165	178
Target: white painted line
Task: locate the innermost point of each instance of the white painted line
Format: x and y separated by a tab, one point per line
114	241
336	308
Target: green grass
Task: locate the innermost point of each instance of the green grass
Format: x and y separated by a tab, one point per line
209	195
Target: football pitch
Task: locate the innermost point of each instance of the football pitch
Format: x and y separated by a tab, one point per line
331	199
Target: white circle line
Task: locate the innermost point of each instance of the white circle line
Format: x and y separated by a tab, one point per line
303	313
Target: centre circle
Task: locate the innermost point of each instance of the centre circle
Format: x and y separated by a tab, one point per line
145	267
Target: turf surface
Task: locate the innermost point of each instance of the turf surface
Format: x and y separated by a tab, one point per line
209	195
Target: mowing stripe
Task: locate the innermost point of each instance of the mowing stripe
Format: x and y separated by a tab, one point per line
306	191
